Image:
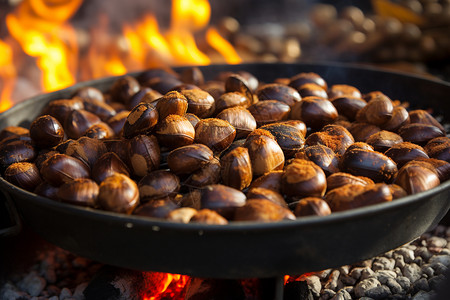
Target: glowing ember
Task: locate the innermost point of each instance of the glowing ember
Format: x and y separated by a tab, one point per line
164	286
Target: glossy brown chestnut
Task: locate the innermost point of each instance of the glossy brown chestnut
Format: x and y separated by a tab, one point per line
240	118
207	216
157	208
116	123
420	134
99	108
82	191
89	93
144	155
383	140
275	91
123	88
360	145
271	181
312	206
175	131
187	159
343	90
439	148
378	111
61	108
182	215
107	165
78	122
289	138
236	168
307	77
262	210
46	131
237	83
335	137
265	154
303	178
192	118
208	174
47	190
312	89
348	106
269	111
100	131
119	147
222	199
322	156
163	84
404	152
172	103
361	131
442	167
13	131
397	191
229	100
23	174
315	112
339	179
16	151
62	168
157	185
193	76
400	117
86	149
141	120
200	103
145	95
300	125
415	178
372	164
215	133
118	193
423	117
262	193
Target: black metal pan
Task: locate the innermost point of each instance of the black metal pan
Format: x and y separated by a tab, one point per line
244	250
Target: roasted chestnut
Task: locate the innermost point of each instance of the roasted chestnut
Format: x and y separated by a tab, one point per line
315	112
144	155
175	131
200	103
118	193
280	92
157	185
23	174
312	206
236	168
215	133
187	159
263	210
60	168
46	131
265	154
107	165
222	199
172	103
240	118
81	191
141	120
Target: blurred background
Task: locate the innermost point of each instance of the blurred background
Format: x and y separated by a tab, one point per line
46	45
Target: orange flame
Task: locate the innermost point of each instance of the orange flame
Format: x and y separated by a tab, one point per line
165	286
222	46
8	73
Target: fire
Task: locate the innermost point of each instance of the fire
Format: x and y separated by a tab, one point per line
42	29
164	286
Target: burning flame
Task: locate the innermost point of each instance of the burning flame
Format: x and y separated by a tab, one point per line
164	286
42	30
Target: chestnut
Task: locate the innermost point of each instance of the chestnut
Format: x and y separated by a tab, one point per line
423	117
303	178
400	117
187	159
118	193
45	189
86	149
81	191
157	208
172	103
163	85
13	131
271	181
312	206
144	155
145	95
100	131
262	193
377	112
208	216
308	77
181	215
60	109
237	83
23	174
222	199
289	138
107	165
61	168
348	106
383	140
343	90
420	134
315	112
118	121
208	174
192	118
265	154
441	167
157	185
404	152
46	131
262	210
119	147
175	131
141	120
312	89
240	118
89	93
339	179
78	122
372	164
99	108
200	103
123	88
269	111
360	145
416	178
300	125
215	133
16	151
275	91
397	191
361	130
193	76
322	156
229	100
335	137
236	168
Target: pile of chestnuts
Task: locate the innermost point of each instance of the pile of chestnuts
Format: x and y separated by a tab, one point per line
174	146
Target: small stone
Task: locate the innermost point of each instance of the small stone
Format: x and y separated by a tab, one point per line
435	281
50	275
332	282
366	298
443	259
404	282
399	260
383	275
314	284
349	289
53	290
32	284
408	254
421	285
394	286
445	251
423	252
436	242
421	295
379	292
342	294
327	294
428	270
398	271
439	268
365	285
364	264
412	271
65	293
9	291
389	254
383	263
366	273
323	274
418	260
347	280
344	270
356	272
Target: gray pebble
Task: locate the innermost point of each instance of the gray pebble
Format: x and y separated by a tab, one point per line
439	268
65	293
421	285
314	284
383	275
327	294
443	259
404	282
366	298
418	260
394	286
423	252
421	295
364	264
347	280
383	263
349	289
398	271
436	242
399	260
428	270
33	284
323	274
408	254
435	281
332	282
445	251
342	294
412	271
356	272
366	273
365	285
379	292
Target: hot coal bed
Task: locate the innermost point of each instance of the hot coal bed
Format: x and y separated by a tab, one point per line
35	269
